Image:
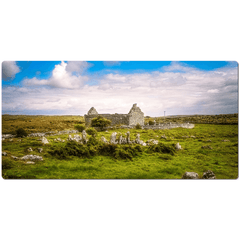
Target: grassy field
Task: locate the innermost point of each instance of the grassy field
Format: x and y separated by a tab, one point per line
221	156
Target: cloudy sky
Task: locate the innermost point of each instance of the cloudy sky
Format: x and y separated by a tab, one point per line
72	88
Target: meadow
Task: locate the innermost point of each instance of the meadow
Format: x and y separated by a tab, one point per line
205	147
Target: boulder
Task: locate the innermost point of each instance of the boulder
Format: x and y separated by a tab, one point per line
128	137
208	175
113	138
40	150
4	154
178	146
84	137
44	140
103	139
32	158
190	175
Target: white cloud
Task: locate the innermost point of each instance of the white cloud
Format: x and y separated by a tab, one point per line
190	92
61	78
77	66
213	91
9	70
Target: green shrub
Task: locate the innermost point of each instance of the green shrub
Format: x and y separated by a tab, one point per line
7	164
79	127
91	131
21	132
138	126
151	122
100	122
162	148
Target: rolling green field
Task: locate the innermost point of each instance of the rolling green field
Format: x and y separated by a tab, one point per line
203	149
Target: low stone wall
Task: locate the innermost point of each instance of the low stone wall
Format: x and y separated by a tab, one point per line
169	126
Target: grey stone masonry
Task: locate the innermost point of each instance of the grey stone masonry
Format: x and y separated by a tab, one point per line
134	117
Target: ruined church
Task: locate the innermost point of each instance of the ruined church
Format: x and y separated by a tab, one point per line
134	117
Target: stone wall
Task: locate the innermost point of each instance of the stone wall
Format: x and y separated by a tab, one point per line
134	117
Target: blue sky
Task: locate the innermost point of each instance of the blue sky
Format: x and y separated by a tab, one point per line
62	87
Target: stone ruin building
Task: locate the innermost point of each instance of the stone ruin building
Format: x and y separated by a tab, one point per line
134	117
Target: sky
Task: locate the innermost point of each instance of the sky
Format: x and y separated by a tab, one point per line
73	87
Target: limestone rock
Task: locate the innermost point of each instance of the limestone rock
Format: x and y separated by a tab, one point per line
40	150
208	175
128	137
225	140
29	149
190	175
44	140
14	157
36	135
84	137
32	158
120	139
113	138
103	139
4	154
29	162
178	146
152	142
163	136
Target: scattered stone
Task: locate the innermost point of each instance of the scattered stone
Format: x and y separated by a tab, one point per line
207	147
32	157
190	175
178	146
3	139
29	162
36	135
152	142
10	140
120	139
104	139
14	157
208	175
19	140
128	137
70	138
4	154
192	136
44	140
6	136
225	140
209	140
40	150
84	137
29	150
163	136
113	138
77	138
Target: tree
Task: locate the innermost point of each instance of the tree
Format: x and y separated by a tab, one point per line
100	122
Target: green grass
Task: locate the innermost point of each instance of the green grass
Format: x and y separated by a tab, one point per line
222	159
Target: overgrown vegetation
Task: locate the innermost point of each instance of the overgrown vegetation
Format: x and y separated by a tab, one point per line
100	122
80	127
95	160
21	133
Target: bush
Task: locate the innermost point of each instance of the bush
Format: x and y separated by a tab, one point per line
79	127
100	122
91	131
151	122
138	126
162	148
21	132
